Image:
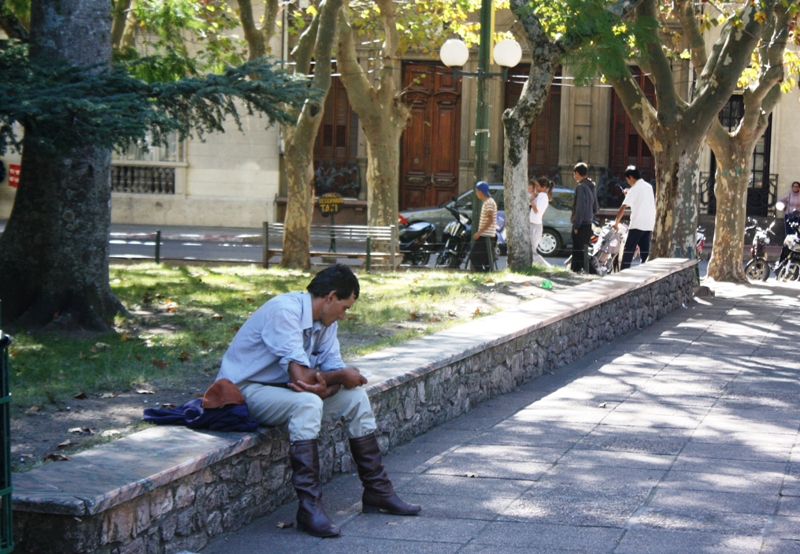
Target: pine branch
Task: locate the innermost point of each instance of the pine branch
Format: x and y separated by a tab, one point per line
62	106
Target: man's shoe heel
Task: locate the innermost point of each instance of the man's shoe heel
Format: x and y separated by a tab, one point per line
365	509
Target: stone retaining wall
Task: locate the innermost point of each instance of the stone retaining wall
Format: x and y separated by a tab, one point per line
244	476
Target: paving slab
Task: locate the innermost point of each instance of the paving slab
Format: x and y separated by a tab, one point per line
680	438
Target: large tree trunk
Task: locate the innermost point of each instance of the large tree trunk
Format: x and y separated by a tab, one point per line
730	189
300	141
383	115
517	123
54	250
676	197
383	162
734	151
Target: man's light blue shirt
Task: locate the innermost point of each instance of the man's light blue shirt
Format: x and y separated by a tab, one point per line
279	332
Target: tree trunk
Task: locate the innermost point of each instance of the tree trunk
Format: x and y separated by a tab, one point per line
300	204
676	197
300	143
383	163
54	250
517	123
383	115
730	189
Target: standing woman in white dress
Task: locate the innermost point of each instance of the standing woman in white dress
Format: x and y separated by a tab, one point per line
541	193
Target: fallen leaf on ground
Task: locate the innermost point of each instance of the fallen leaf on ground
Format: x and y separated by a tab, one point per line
64	444
32	409
123	337
477	312
282	525
81	431
144	391
167	406
102	346
603	405
110	433
112	394
80	396
216	316
55	458
412	315
159	363
184	356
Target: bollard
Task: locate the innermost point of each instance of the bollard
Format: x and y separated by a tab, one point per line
586	259
158	247
265	246
368	262
6	524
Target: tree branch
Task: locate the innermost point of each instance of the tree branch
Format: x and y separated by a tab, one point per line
304	49
727	63
688	20
356	83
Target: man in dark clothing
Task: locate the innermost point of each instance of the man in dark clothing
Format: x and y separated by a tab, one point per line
583	210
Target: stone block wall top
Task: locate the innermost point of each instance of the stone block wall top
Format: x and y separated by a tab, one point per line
116	472
392	366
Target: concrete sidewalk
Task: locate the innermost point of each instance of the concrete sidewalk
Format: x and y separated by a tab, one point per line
681	438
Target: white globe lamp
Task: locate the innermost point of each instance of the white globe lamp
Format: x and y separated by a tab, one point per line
454	53
507	53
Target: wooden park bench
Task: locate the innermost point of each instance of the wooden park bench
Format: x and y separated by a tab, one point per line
343	241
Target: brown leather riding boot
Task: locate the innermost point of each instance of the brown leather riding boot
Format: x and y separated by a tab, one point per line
378	494
311	518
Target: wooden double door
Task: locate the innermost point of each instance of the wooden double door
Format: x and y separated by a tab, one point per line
430	145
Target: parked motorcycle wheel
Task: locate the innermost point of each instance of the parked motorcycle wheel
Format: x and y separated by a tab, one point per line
792	272
417	259
757	269
446	260
788	271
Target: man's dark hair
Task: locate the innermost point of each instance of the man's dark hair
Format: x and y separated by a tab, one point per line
581	169
339	278
631	171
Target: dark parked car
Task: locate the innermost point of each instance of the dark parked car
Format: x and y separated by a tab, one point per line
557	232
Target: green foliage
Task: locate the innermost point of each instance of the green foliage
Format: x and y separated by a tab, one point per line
612	46
61	106
423	25
171	28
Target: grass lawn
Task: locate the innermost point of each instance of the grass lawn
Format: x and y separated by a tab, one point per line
183	319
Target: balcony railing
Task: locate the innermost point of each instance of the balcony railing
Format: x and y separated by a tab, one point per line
139	179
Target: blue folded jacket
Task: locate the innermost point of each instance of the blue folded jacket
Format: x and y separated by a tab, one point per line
231	417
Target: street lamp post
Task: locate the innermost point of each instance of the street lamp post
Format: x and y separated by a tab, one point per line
507	53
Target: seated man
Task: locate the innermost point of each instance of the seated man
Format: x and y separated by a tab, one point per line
286	361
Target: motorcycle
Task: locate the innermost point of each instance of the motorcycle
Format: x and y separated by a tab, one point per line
788	267
456	236
597	232
757	268
416	241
